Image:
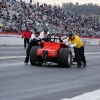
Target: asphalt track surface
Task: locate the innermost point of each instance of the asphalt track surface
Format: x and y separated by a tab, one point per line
19	81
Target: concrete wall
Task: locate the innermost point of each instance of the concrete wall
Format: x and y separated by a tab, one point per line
17	40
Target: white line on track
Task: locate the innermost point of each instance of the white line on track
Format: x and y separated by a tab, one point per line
94	95
92	53
12	57
11	64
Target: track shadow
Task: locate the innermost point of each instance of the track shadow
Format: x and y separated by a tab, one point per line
54	65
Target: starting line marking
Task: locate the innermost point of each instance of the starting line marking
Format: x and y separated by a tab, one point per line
94	95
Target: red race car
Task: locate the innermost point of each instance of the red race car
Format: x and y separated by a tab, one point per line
52	51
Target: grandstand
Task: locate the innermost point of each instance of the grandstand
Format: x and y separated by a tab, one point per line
16	16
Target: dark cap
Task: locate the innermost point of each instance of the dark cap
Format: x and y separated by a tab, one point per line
70	35
35	29
37	32
45	30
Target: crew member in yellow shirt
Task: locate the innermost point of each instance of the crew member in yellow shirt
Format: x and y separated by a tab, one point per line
78	46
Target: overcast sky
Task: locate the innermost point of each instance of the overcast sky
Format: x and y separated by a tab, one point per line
60	1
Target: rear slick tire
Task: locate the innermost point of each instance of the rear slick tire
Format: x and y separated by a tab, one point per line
33	56
64	57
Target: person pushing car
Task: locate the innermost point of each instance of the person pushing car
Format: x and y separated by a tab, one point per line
44	34
34	41
78	46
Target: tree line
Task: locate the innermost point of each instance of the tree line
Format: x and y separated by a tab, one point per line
84	9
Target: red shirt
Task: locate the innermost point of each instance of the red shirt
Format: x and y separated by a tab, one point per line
26	34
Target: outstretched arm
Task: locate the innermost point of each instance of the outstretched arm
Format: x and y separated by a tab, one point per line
66	42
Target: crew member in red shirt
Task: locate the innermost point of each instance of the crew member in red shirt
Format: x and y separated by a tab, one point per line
26	35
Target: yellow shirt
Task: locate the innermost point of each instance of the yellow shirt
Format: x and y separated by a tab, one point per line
77	41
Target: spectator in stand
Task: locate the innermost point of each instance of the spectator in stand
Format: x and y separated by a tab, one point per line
56	18
30	1
26	35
